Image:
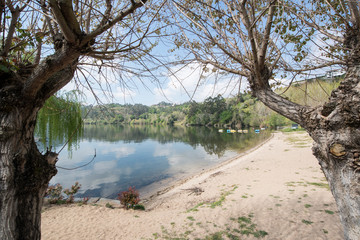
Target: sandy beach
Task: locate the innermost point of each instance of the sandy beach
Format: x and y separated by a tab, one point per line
276	191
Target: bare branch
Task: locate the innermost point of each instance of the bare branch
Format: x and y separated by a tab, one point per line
120	17
224	68
15	14
69	35
68	13
106	16
355	14
47	68
266	37
254	48
305	69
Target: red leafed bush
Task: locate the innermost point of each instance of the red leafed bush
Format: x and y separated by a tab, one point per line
129	198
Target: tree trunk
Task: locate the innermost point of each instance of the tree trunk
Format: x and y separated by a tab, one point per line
24	171
335	129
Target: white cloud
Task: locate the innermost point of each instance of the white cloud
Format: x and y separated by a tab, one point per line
119	151
191	81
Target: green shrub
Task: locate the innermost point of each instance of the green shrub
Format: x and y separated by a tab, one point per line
138	207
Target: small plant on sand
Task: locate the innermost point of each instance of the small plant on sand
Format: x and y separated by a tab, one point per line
71	192
108	205
307	222
56	194
129	198
138	207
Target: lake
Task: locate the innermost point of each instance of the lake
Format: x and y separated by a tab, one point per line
145	156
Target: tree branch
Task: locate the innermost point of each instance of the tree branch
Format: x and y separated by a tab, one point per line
68	13
328	64
317	27
355	15
266	37
100	29
106	16
15	14
68	33
246	20
47	68
224	68
291	110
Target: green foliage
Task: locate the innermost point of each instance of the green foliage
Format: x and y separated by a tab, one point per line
244	227
242	111
319	184
60	120
108	205
312	92
307	222
329	212
129	198
139	207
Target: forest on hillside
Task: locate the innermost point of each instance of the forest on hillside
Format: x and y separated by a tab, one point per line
241	111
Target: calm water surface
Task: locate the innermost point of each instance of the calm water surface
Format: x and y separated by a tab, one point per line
140	156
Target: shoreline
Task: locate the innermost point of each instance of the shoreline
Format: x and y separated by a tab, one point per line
276	191
150	192
148	197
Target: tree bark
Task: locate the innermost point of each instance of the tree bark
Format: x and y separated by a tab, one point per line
24	171
335	129
25	174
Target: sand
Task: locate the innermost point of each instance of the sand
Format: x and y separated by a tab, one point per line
276	191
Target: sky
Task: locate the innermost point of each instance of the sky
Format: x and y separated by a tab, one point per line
188	83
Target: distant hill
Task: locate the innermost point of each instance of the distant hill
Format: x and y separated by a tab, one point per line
242	111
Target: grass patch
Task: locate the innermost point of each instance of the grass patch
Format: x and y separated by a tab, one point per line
244	227
308	205
319	184
329	212
299	141
307	222
220	201
195	209
108	205
216	203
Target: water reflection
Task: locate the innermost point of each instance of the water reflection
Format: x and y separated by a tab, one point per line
141	155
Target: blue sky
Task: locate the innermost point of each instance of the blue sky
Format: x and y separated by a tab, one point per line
188	83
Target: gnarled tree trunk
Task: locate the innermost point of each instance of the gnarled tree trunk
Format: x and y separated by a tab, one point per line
335	129
25	172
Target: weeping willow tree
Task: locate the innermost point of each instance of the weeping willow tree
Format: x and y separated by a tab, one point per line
60	121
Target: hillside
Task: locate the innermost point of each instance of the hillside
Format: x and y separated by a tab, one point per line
242	111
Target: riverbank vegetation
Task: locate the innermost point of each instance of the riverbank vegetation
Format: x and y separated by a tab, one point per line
241	111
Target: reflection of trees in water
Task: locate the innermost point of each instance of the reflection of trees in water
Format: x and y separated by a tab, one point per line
209	138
